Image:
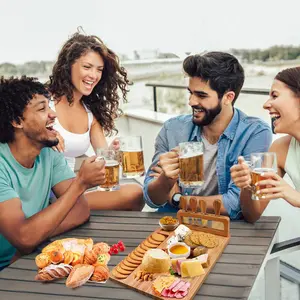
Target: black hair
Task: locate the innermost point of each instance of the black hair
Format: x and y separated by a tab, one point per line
221	70
15	94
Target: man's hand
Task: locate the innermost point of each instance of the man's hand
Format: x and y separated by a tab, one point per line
92	172
241	174
169	163
60	147
157	170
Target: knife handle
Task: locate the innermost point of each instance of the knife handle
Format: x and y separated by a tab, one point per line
183	203
203	206
193	204
217	207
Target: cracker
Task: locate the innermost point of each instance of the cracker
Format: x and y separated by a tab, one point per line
134	257
133	261
118	275
138	254
188	241
140	250
124	267
129	264
208	240
122	271
144	247
158	237
152	241
149	245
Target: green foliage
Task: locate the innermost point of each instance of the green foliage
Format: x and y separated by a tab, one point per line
274	53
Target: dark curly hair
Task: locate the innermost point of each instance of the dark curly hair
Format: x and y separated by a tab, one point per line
221	70
104	99
15	94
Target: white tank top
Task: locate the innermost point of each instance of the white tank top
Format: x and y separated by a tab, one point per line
292	163
76	144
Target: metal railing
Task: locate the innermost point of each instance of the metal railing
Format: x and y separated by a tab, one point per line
172	86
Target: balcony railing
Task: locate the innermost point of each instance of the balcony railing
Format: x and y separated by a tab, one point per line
251	91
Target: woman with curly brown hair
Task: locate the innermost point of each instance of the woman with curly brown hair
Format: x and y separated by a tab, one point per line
84	84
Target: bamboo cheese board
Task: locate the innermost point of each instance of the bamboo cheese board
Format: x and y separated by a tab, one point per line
201	224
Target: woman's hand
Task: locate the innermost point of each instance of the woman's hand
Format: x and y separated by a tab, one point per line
115	145
275	187
60	147
241	174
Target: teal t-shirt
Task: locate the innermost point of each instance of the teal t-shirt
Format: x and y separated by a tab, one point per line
32	186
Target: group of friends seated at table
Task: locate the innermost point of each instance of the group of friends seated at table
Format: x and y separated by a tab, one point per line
43	127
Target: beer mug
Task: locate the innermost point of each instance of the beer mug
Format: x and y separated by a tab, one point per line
132	157
112	169
191	164
261	163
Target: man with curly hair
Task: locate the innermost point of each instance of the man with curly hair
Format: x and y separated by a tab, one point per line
30	169
215	81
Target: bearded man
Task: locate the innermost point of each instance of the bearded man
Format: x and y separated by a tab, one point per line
215	81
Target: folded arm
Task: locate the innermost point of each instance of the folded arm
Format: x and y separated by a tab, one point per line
26	233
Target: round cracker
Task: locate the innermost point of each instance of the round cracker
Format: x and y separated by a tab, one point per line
122	271
158	237
124	267
133	261
135	257
148	244
140	250
152	241
129	264
144	247
118	275
188	241
138	254
208	240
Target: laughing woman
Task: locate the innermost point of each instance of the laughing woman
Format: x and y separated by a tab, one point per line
85	84
284	108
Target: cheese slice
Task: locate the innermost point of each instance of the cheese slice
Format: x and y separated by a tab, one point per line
162	282
191	268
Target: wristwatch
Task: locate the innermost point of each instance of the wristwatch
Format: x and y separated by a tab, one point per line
176	199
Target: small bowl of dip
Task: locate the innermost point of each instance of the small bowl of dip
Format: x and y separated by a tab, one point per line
179	250
168	223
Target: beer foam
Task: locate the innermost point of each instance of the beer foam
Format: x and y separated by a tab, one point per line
188	155
111	163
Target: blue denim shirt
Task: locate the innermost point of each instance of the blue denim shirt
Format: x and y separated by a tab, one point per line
244	135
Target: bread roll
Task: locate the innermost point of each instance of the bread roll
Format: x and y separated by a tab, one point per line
79	275
53	272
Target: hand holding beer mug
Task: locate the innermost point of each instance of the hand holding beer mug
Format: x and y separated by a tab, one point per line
112	168
261	163
132	157
191	164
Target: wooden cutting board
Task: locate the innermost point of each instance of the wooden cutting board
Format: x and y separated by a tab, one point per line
145	287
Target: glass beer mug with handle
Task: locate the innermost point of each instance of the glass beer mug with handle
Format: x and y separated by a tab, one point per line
261	163
132	157
112	169
191	164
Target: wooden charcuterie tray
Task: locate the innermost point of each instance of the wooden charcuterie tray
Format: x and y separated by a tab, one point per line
197	219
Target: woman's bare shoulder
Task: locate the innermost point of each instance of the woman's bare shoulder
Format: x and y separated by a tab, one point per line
281	148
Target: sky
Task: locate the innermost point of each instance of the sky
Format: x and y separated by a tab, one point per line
36	29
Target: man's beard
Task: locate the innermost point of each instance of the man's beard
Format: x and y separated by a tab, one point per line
209	115
50	143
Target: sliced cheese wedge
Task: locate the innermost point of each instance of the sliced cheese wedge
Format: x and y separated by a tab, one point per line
191	268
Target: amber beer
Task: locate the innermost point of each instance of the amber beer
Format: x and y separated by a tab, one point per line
256	177
191	170
111	175
132	163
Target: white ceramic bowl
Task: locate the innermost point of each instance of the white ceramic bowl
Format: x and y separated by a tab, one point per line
183	255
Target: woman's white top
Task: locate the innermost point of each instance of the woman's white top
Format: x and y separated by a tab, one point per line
76	144
292	163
